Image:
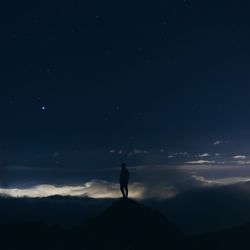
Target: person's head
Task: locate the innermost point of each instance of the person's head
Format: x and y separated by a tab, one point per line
123	166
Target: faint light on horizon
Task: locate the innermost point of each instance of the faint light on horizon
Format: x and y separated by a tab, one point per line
97	189
92	189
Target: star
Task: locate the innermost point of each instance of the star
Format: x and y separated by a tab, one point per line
43	108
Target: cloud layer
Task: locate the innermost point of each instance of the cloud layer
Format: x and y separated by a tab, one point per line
93	189
161	181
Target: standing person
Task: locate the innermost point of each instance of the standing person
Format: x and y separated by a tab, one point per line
124	179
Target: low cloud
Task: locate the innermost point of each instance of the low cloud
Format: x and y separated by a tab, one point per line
93	189
239	157
219	142
203	155
147	181
218	154
200	162
220	181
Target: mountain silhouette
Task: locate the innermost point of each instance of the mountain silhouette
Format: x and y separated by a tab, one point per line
128	224
125	225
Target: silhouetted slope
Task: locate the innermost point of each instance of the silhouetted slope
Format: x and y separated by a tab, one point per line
53	210
128	224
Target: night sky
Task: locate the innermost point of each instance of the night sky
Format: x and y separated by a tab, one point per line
160	85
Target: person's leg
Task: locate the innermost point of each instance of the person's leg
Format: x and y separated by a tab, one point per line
126	190
122	191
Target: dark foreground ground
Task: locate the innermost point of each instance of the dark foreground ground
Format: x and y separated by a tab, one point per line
125	224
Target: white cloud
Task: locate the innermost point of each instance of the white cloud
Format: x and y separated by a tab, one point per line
220	181
153	181
203	155
218	154
112	151
239	157
93	189
200	162
219	142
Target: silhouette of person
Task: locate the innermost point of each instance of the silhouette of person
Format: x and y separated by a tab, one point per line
124	179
